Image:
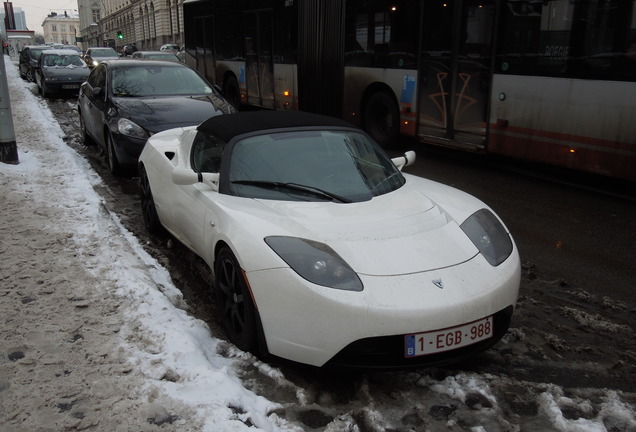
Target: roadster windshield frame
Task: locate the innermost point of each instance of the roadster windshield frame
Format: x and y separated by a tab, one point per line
346	164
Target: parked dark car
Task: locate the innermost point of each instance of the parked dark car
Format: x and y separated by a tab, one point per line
28	62
124	102
155	55
93	56
60	71
128	50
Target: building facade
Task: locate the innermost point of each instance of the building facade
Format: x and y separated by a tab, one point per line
18	16
147	24
62	28
90	16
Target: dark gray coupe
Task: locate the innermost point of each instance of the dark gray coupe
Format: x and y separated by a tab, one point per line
60	71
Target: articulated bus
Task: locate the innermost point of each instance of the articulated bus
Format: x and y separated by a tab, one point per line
551	81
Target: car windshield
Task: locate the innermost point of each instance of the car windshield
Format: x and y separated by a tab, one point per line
161	56
158	80
341	166
62	60
103	52
36	52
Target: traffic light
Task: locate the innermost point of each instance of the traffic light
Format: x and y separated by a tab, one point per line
120	35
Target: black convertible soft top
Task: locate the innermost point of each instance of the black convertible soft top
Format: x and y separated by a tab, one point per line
227	126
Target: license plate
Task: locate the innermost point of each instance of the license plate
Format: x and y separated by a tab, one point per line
70	86
438	341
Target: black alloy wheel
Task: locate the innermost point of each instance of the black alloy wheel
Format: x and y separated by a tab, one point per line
235	308
111	156
29	75
148	209
381	119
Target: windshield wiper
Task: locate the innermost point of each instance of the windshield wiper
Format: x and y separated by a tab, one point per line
296	187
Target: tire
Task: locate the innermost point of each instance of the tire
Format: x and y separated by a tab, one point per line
148	208
381	119
29	75
86	139
43	92
111	157
235	309
231	91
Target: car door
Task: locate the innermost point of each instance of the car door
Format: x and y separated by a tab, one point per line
190	206
93	105
37	75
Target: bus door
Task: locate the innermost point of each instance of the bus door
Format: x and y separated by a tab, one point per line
259	66
204	53
455	72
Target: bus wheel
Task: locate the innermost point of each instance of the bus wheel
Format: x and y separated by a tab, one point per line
231	91
381	119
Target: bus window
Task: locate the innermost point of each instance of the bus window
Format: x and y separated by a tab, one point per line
381	34
570	39
228	36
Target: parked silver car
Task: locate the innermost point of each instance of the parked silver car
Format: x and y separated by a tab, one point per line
170	48
93	56
155	55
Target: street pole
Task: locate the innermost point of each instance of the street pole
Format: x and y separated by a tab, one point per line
8	146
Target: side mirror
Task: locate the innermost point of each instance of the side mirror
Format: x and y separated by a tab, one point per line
185	177
407	159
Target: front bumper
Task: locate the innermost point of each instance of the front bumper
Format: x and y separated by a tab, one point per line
317	325
127	149
62	86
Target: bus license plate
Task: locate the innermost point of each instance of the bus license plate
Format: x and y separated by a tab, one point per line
448	339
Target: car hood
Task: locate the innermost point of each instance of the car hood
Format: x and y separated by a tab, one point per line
156	114
68	72
399	233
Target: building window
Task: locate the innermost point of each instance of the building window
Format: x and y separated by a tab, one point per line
53	27
96	15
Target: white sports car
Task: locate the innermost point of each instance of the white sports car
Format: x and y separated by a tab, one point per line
322	250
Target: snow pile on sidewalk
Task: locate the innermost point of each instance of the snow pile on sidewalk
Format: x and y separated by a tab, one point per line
92	334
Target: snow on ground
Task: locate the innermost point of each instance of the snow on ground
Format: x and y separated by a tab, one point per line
94	335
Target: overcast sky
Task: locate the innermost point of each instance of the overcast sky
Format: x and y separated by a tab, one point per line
37	10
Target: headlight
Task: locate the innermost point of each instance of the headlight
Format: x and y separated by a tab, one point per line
489	236
95	62
130	128
316	262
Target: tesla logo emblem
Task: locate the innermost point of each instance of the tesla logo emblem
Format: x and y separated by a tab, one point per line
438	283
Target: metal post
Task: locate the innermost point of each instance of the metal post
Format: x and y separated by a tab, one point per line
8	146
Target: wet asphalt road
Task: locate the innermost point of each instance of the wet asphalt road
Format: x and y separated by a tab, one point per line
575	228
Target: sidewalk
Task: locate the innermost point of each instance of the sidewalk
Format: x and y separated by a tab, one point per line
91	330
